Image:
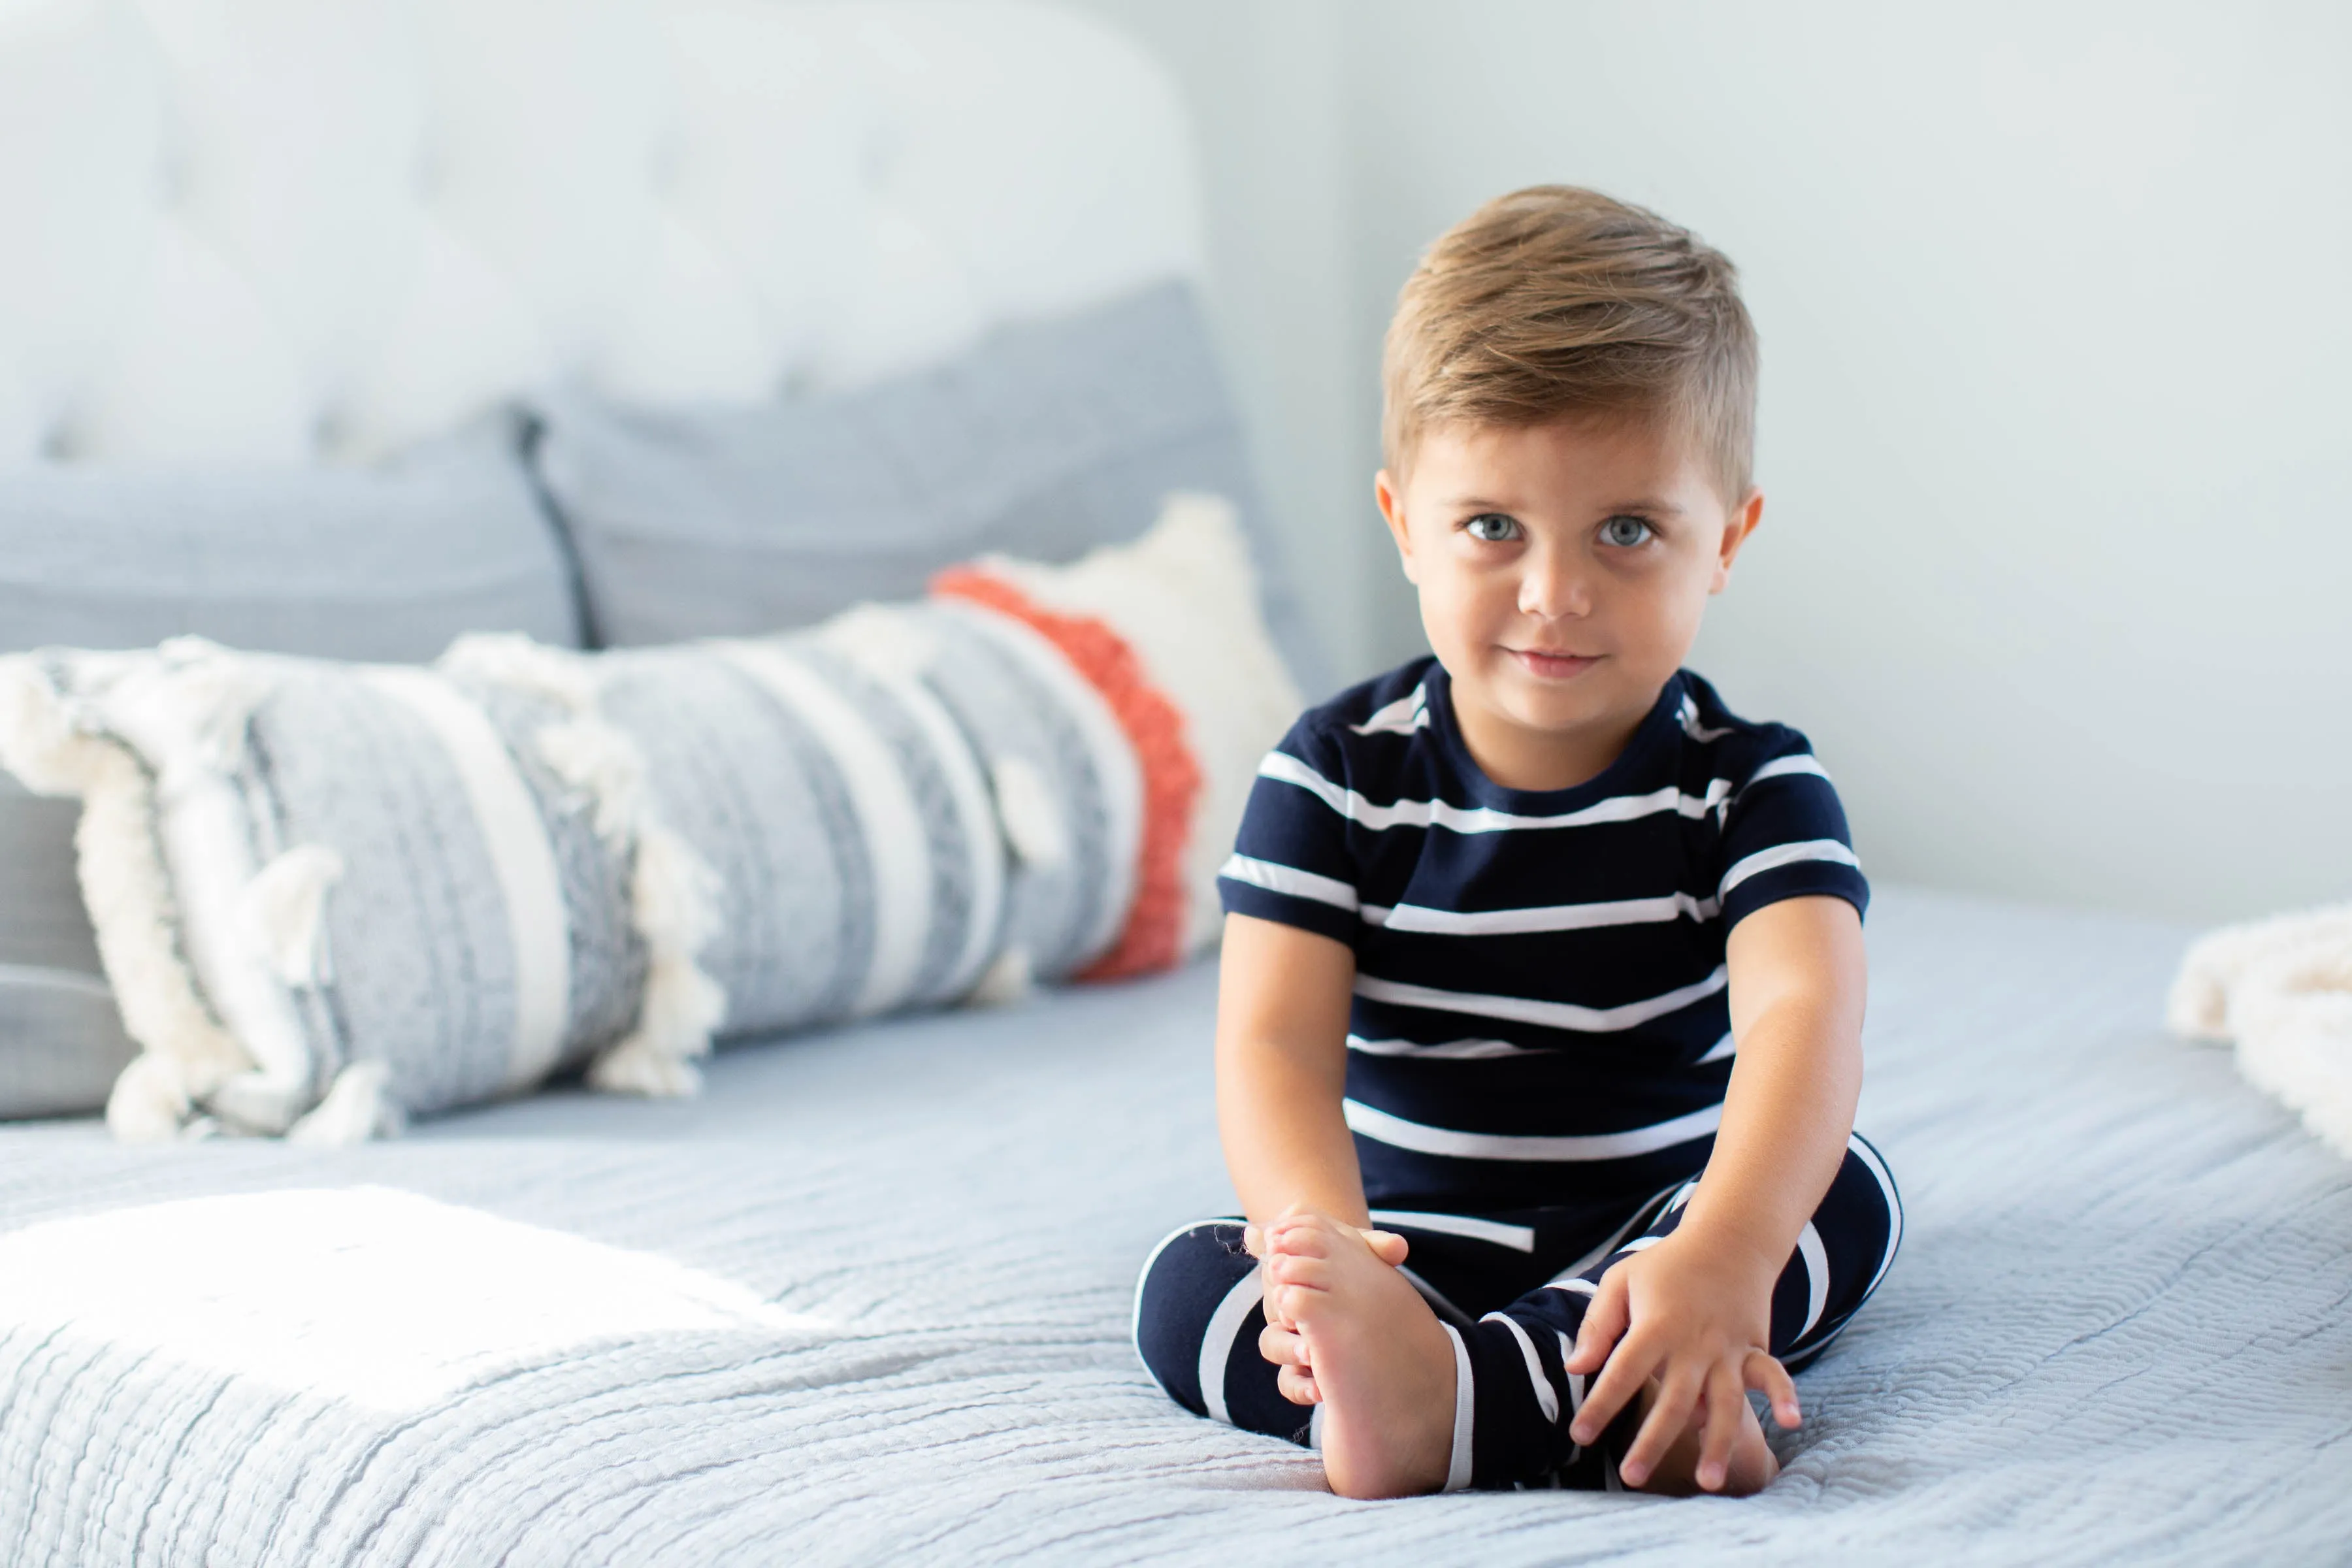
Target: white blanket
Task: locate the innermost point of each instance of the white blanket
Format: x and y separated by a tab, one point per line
2282	990
868	1300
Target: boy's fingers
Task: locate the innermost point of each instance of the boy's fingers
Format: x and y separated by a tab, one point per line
1727	1403
1604	1322
1765	1374
1297	1385
1622	1378
1677	1394
1252	1241
1387	1245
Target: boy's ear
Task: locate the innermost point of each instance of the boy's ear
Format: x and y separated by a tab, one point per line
1737	527
1392	505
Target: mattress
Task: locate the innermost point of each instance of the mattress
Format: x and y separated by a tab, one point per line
869	1299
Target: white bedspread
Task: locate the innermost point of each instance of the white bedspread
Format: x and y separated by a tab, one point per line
868	1300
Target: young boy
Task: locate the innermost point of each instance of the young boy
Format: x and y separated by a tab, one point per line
1536	958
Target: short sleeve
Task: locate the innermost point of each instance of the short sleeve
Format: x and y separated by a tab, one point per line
1291	862
1785	834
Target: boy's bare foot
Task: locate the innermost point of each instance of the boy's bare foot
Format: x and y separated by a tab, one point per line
1383	1363
1751	1468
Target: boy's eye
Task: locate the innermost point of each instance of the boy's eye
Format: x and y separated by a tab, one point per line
1625	533
1492	527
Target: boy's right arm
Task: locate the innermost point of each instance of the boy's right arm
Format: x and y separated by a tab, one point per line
1282	1066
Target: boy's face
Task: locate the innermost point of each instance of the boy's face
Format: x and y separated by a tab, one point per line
1562	571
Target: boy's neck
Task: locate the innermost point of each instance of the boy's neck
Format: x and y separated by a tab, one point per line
1516	756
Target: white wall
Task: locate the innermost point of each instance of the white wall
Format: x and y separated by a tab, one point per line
2057	562
1266	87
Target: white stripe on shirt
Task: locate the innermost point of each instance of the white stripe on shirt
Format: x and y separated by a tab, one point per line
1284	768
1688	714
1449	1050
1401	717
1550	917
1782	767
1549	1015
1276	878
1398	1133
1781	855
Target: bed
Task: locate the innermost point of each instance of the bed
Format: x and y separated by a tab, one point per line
868	1299
868	1296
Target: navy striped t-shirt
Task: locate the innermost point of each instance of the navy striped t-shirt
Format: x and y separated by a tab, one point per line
1540	1013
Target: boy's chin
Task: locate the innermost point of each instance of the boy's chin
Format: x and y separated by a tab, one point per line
1543	707
1563	708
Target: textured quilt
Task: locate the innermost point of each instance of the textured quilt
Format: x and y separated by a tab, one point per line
868	1300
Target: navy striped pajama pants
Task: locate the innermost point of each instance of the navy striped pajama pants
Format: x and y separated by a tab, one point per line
1511	1289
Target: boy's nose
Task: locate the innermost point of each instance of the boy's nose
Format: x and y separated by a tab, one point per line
1553	588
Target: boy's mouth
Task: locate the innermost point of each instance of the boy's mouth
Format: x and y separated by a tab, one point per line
1550	665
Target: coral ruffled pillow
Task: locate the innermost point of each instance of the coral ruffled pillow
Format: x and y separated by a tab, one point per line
329	896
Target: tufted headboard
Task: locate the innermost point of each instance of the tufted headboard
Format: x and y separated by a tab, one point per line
284	231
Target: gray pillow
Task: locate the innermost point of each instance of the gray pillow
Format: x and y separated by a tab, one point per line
386	562
1048	439
383	563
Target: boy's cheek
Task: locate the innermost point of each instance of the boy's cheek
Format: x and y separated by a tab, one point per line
1463	607
1441	612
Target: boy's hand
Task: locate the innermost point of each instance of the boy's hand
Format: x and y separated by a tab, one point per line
1696	1319
1280	1342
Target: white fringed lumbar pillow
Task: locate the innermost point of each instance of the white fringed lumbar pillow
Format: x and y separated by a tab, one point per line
329	896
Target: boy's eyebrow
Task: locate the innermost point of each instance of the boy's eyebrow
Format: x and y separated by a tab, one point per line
1480	503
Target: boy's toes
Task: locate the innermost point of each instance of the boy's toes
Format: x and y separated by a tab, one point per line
1286	1302
1295	1268
1281	1346
1306	1237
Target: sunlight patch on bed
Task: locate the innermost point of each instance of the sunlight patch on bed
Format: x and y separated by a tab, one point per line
369	1294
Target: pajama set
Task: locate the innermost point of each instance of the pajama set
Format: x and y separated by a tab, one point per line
1537	1046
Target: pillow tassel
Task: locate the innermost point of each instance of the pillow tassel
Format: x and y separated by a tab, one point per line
673	896
186	1053
675	901
358	1107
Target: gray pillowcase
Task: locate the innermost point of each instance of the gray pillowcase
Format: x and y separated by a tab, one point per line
1045	440
388	563
384	562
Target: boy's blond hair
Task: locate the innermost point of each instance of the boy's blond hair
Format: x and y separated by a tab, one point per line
1555	302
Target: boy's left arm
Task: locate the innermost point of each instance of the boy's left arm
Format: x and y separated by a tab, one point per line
1695	1309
